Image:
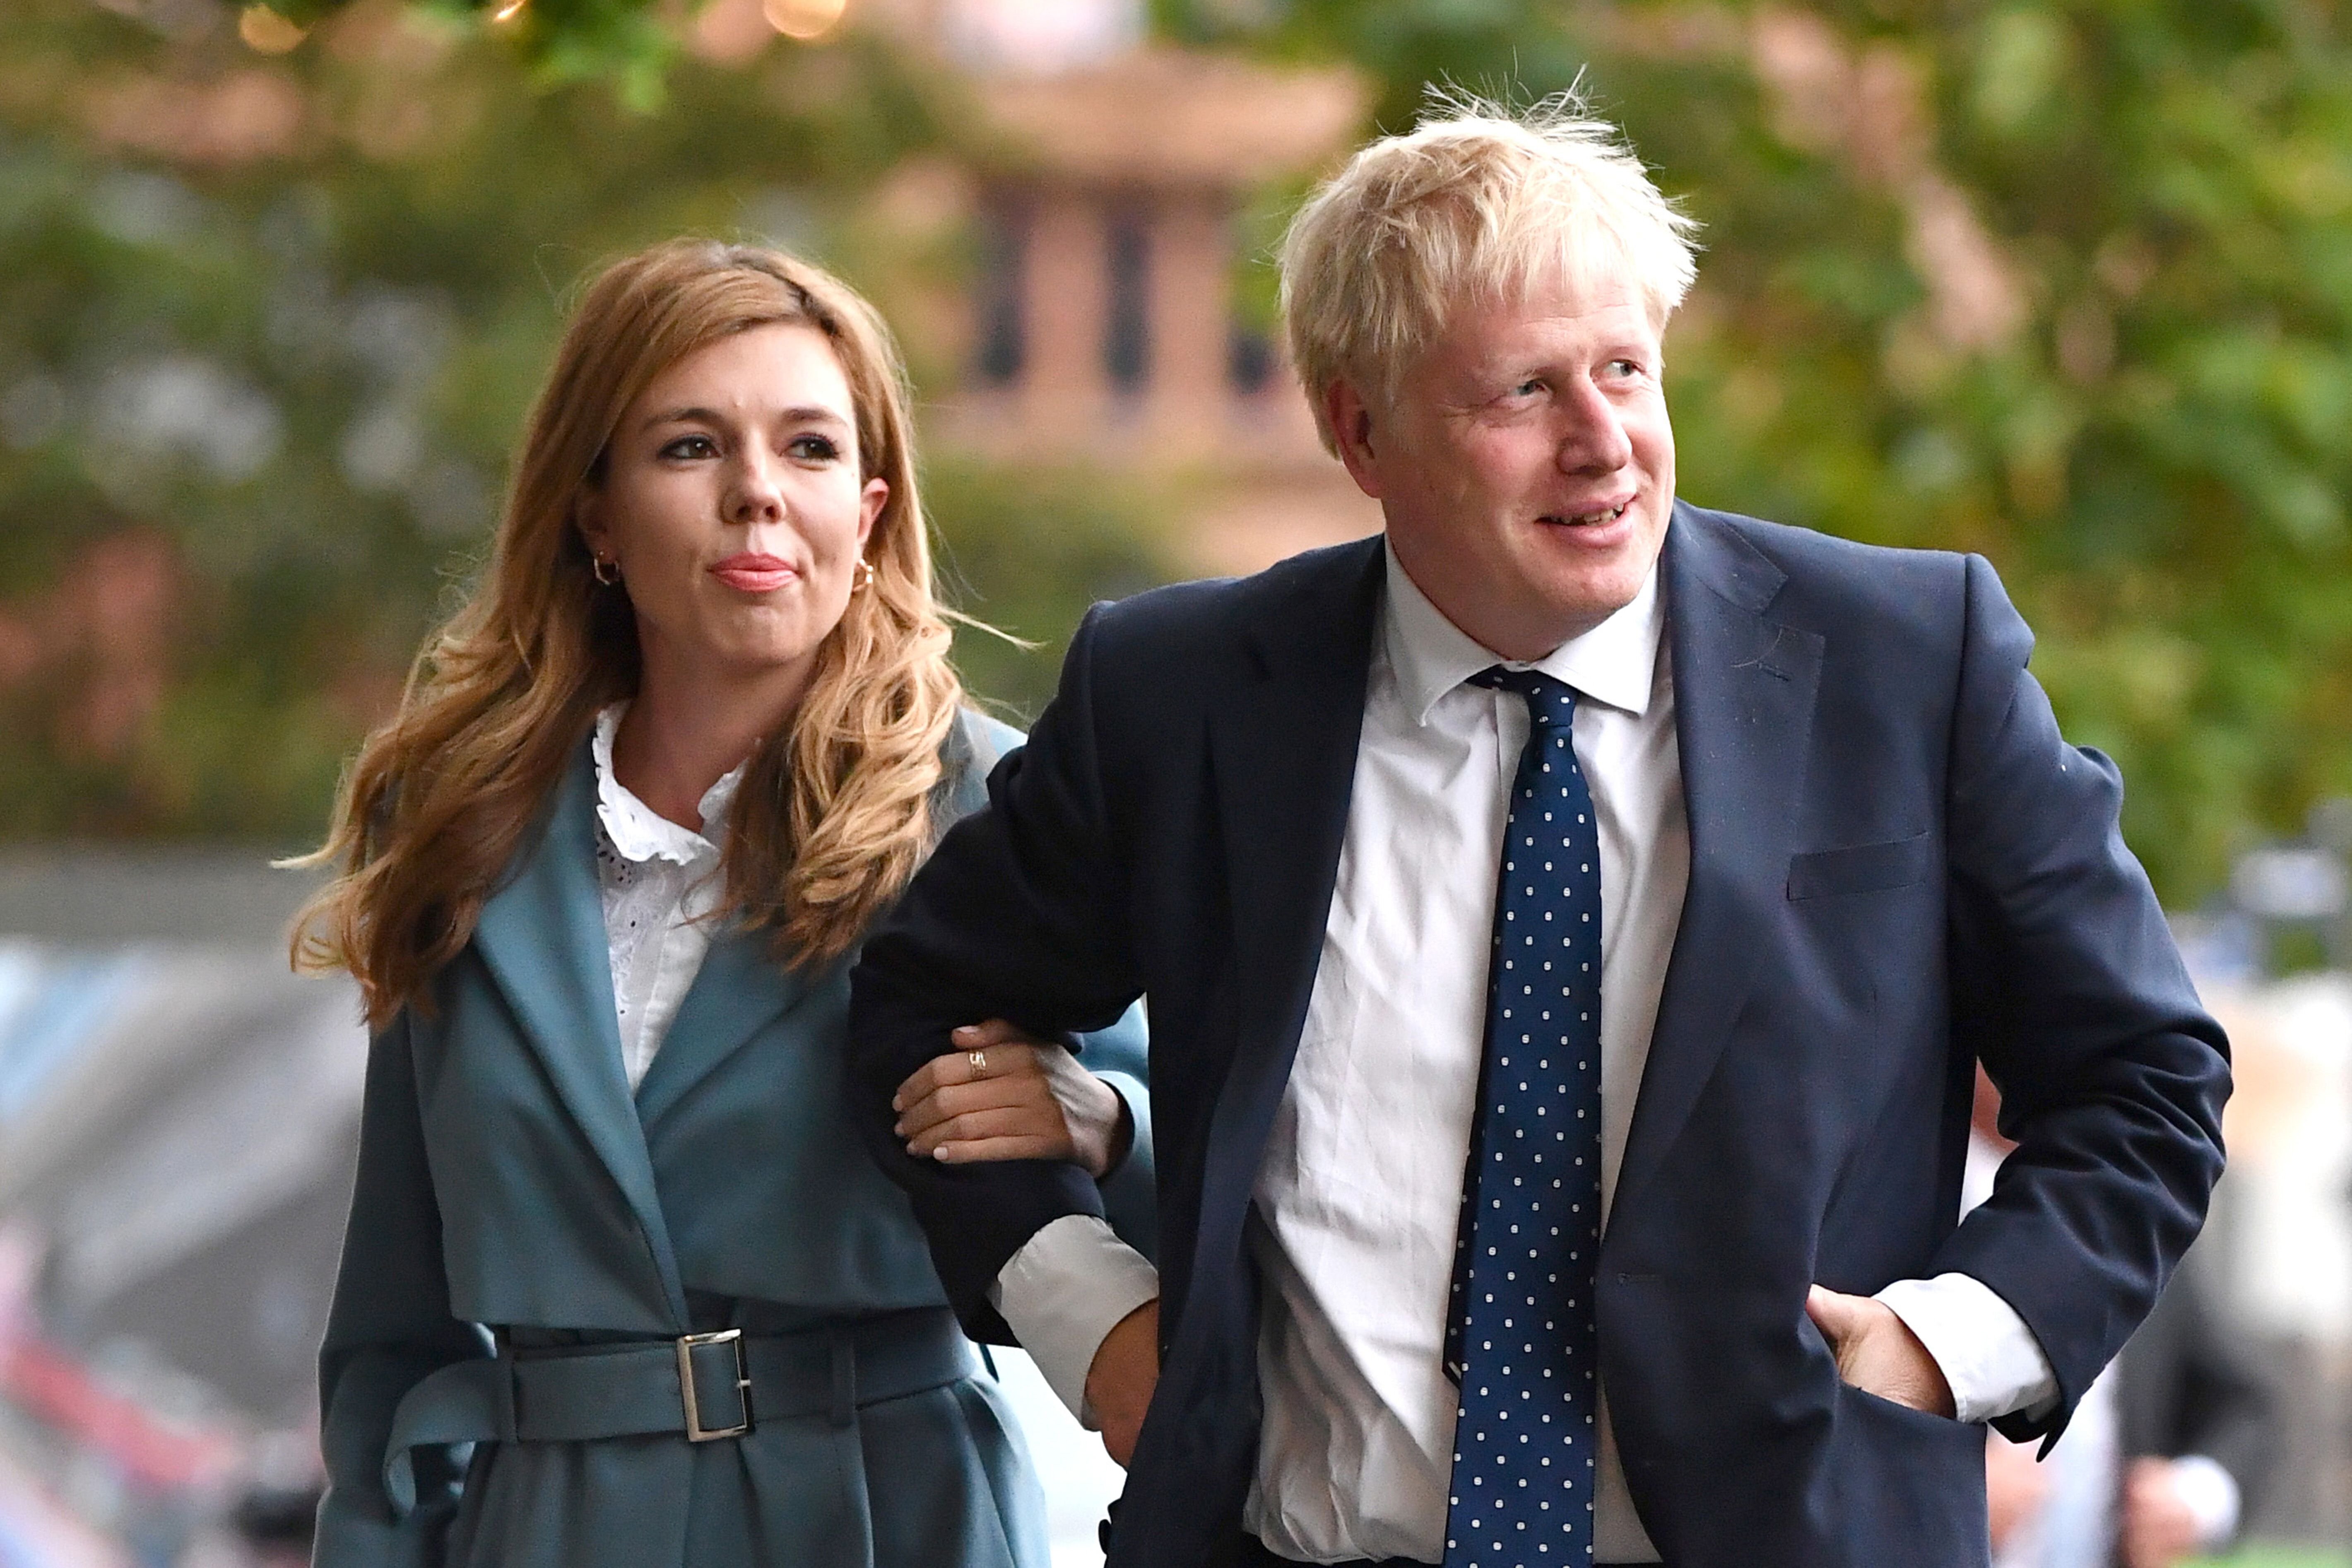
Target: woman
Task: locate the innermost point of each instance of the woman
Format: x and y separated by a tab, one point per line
602	876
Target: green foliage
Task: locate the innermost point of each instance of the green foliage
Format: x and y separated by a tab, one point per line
2156	454
627	44
1025	552
255	415
2267	1554
2148	428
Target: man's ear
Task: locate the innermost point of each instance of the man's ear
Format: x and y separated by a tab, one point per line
1350	416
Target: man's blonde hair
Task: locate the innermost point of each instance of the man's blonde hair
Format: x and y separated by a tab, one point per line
1476	205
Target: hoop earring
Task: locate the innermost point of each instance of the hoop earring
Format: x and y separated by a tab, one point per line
862	576
599	565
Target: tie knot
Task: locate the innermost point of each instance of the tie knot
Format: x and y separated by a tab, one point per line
1551	703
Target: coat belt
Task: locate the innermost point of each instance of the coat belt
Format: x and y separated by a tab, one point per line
635	1388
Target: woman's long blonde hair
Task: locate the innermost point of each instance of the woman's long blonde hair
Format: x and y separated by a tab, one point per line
831	817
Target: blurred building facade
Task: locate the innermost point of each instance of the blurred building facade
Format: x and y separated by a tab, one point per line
1104	326
1104	186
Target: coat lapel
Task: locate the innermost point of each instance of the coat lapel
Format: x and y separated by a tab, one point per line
1744	693
1284	754
742	986
739	991
541	936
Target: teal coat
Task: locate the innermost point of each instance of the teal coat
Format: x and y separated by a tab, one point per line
509	1177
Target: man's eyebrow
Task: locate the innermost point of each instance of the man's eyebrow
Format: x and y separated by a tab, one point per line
813	414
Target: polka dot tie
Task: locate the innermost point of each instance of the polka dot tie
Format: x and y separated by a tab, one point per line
1521	1340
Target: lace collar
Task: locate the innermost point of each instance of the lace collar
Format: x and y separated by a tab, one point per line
636	830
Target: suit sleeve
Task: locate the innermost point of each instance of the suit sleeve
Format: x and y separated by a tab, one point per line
1018	915
1120	1056
2067	986
390	1326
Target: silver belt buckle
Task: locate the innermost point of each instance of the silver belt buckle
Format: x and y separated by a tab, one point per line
696	1432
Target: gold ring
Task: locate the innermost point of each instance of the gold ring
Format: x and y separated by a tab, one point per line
979	1060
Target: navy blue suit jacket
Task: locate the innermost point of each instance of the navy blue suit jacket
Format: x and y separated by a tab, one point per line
1897	867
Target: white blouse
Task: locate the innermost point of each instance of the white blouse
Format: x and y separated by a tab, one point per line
660	882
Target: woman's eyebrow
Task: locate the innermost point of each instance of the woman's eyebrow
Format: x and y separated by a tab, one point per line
814	413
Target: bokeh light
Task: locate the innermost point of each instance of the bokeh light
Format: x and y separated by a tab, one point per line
266	32
804	19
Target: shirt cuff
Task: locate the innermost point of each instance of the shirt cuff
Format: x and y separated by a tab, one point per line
2211	1494
1988	1355
1067	1287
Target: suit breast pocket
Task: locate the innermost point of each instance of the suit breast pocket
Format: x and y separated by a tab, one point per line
1861	868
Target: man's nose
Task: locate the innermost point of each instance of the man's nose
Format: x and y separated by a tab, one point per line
1593	436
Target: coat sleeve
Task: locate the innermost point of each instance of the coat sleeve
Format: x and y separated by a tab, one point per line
389	1328
2066	985
1018	915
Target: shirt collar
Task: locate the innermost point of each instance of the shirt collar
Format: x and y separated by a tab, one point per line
1614	663
638	832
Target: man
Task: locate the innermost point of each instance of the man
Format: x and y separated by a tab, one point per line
1432	988
2169	1451
2196	1430
2168	1454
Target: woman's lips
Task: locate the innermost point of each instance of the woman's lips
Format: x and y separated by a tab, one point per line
753	572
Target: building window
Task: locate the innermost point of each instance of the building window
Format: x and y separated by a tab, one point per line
1249	359
1003	344
1127	320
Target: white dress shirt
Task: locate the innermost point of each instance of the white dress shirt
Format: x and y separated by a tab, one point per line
1358	1192
660	882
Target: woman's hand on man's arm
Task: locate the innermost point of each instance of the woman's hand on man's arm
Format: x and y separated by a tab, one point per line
1001	1095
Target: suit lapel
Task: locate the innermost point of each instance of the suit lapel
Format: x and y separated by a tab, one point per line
1284	752
739	991
1744	693
541	936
